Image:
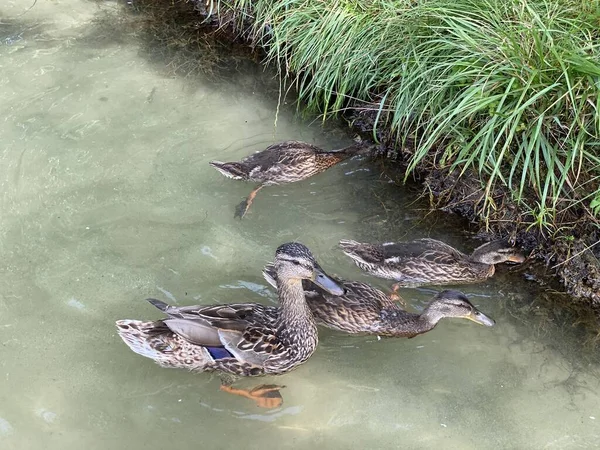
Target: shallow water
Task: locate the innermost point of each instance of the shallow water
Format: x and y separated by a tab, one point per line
107	199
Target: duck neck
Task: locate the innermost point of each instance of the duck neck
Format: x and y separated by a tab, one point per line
295	323
481	255
481	268
430	317
403	323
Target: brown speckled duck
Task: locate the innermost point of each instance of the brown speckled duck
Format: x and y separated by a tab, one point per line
285	162
243	339
362	309
428	261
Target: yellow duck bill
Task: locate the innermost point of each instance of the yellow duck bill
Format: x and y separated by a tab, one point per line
481	318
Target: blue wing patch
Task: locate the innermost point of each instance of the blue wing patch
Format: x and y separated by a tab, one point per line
218	353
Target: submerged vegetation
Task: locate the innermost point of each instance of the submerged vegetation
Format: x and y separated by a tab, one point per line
507	88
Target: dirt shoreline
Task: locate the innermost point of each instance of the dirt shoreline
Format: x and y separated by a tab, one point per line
571	259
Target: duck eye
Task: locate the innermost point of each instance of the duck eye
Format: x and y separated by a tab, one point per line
296	263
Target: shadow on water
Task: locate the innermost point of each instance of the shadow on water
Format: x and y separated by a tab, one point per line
173	36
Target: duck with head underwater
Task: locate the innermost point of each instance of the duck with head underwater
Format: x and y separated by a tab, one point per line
428	261
362	309
285	162
239	339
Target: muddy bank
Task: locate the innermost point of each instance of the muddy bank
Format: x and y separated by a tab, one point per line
568	256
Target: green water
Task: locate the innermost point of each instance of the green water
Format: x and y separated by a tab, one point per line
107	198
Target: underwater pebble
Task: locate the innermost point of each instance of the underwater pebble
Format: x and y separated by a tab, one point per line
444	425
363	388
5	427
592	417
206	250
74	303
47	416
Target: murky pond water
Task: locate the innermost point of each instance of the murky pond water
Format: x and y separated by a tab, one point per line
107	198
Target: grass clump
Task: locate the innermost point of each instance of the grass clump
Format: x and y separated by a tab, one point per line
506	88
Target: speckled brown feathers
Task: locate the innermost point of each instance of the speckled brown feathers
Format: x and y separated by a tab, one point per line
366	310
158	341
285	162
428	261
245	339
357	311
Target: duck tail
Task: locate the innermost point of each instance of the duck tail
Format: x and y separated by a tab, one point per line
348	246
142	338
270	275
159	304
234	170
156	341
360	252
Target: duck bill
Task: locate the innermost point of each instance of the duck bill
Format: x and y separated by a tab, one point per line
481	319
516	258
324	281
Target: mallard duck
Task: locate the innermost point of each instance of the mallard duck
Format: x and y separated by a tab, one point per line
362	309
427	261
286	162
240	339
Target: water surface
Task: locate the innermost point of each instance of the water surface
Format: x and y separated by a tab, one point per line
107	198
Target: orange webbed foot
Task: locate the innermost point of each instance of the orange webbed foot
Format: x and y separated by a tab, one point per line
244	206
395	297
265	395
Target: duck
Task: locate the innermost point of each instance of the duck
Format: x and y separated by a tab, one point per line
429	261
282	163
365	310
239	339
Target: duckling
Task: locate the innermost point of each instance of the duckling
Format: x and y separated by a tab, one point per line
239	339
428	261
285	162
362	309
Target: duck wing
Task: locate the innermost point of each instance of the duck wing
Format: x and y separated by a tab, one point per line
235	316
357	311
253	346
280	151
426	249
283	162
239	327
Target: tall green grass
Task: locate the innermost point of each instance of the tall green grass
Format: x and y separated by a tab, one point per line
508	88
